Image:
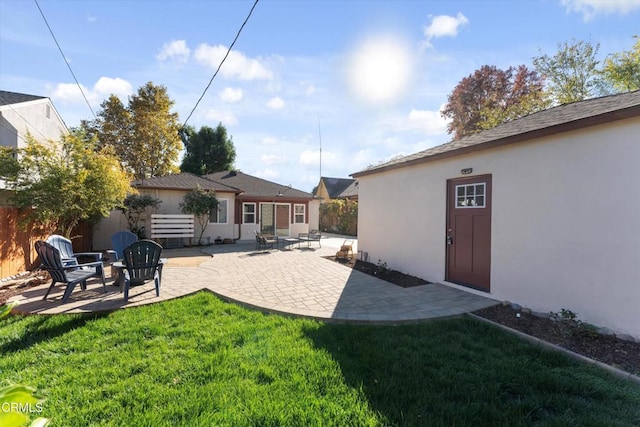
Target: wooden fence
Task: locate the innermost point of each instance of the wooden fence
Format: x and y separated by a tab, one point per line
17	253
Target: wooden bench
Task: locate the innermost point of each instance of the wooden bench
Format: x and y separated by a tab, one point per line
172	226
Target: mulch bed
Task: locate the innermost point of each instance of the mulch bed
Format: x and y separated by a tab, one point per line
396	277
572	335
18	285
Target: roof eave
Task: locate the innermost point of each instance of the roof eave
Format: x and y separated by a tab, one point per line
585	122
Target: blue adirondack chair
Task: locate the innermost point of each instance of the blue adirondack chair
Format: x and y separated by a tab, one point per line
64	246
121	240
70	275
142	263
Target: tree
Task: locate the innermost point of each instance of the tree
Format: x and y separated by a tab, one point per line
572	73
200	203
491	96
57	189
622	70
132	208
208	150
145	134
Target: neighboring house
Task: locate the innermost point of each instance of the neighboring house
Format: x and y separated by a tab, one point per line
542	211
246	204
22	115
337	188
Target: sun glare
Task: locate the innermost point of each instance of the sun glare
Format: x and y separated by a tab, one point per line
380	69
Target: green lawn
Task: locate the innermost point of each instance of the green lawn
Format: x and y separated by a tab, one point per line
200	361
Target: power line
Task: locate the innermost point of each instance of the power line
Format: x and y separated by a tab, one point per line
65	59
221	62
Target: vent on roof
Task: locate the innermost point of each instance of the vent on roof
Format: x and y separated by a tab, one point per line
232	173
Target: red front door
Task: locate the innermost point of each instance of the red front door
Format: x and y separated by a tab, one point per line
469	232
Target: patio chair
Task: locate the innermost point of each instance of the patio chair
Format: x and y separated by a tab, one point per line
65	247
142	263
119	241
263	242
70	275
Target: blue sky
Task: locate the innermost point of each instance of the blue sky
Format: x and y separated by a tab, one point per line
367	78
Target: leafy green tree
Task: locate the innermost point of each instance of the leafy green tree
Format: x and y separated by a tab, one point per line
133	207
200	203
57	189
572	73
622	70
144	134
491	96
208	150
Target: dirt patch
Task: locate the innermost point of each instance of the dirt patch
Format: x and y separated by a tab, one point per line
27	280
571	334
381	272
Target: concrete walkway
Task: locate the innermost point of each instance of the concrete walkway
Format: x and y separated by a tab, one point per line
295	282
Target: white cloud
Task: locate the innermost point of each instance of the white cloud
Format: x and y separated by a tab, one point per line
311	158
267	173
176	49
224	117
230	94
275	103
271	159
70	93
427	121
104	87
236	66
444	25
310	90
590	8
269	140
107	86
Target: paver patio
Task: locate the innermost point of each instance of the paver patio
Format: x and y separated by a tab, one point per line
296	282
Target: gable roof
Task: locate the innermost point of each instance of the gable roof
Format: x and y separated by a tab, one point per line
340	187
254	187
184	181
563	118
10	98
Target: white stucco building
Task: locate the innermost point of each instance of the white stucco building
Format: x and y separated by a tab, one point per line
543	211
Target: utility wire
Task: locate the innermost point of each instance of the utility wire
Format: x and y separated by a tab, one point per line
221	62
65	59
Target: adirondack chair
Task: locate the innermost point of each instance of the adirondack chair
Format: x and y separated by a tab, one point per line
121	240
65	247
142	263
70	275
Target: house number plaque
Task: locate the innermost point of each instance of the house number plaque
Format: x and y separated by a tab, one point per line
466	171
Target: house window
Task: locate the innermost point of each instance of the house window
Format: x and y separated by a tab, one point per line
299	214
219	216
470	196
249	213
48	112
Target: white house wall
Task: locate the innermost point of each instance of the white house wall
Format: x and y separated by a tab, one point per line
30	117
565	229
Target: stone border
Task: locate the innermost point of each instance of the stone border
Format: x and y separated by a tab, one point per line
573	355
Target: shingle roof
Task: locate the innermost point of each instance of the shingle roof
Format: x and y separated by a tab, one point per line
254	187
10	98
555	120
340	187
184	181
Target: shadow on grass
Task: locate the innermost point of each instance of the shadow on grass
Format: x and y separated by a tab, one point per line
43	328
459	372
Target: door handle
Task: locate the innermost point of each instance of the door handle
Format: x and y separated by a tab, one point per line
449	237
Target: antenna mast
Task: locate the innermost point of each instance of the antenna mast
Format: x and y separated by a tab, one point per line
320	138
